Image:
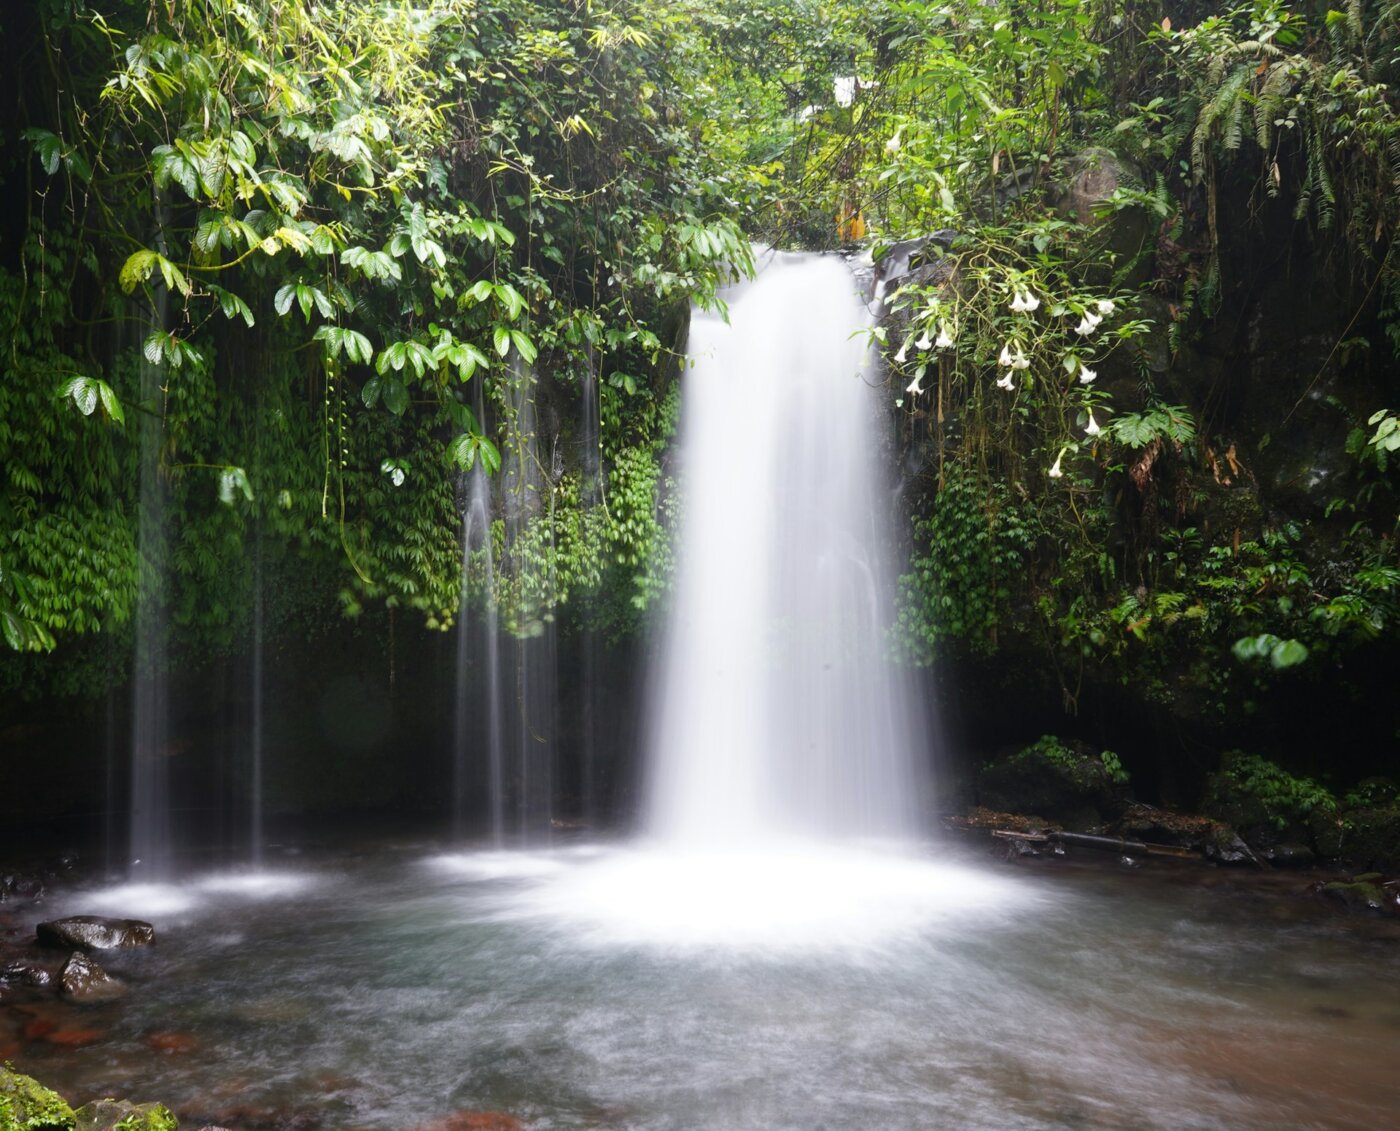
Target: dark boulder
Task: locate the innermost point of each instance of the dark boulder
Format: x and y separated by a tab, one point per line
92	932
1063	782
83	980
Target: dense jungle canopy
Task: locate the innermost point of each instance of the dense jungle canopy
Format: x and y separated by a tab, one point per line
294	270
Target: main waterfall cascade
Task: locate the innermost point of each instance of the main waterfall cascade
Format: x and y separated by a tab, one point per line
777	712
784	787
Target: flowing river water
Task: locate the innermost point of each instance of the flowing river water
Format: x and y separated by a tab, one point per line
388	985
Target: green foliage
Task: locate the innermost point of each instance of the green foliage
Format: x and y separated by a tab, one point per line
323	231
1268	647
1050	749
26	1105
967	554
1159	423
1285	799
1113	766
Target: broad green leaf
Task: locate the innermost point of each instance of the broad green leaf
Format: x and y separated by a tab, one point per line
110	402
395	396
83	391
525	346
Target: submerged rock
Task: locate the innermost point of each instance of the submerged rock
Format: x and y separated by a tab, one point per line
1362	894
123	1115
93	932
26	1105
1291	856
474	1121
172	1042
83	980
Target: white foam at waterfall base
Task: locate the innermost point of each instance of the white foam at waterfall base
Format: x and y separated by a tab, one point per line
778	898
785	752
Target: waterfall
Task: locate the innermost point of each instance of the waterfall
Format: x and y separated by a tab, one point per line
776	712
478	644
258	722
590	496
150	831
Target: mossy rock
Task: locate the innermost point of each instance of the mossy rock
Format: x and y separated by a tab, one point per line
1063	782
123	1115
26	1105
1362	895
1265	803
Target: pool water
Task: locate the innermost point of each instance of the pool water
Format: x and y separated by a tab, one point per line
812	988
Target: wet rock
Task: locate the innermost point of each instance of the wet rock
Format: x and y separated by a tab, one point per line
1018	848
918	262
27	1105
1291	856
1094	176
123	1115
20	887
1227	848
24	973
83	980
93	932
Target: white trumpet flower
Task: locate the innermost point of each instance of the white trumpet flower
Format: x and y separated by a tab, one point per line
1106	307
1087	375
903	354
1088	324
1092	428
924	341
1005	382
1013	360
945	339
914	388
1024	302
1055	472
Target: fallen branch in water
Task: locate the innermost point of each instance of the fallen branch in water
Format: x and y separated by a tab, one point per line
1109	843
